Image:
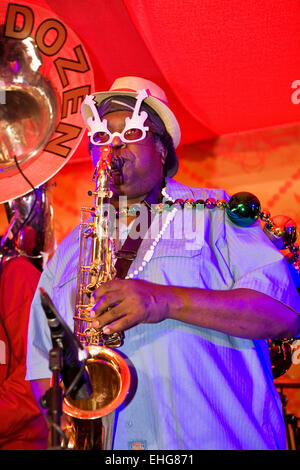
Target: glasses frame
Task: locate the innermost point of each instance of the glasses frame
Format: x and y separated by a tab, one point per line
136	121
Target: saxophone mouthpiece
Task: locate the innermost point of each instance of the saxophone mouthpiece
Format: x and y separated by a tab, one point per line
117	163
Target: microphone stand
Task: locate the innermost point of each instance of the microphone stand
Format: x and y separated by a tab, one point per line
63	362
53	398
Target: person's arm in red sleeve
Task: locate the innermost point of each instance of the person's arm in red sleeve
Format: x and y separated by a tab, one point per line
18	409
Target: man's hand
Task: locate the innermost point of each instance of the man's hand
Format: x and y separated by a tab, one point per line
123	303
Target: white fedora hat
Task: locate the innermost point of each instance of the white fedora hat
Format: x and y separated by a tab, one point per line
157	100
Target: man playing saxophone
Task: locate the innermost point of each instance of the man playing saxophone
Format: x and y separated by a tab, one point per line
197	300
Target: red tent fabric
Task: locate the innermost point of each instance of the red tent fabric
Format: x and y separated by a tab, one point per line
226	66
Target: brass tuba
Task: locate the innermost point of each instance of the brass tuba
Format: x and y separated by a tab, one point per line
29	107
92	419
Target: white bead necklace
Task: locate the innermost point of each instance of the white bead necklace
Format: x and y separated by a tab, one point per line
150	251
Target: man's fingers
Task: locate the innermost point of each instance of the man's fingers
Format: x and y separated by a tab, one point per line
110	316
122	324
107	301
107	287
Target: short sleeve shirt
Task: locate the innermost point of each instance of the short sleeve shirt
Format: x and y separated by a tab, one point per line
192	387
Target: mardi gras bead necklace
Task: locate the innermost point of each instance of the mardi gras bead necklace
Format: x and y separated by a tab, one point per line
243	209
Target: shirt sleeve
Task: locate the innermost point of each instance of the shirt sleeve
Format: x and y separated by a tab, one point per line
39	340
255	263
61	270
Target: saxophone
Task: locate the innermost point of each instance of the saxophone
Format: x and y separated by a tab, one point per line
92	419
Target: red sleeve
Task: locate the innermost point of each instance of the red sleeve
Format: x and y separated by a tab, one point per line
18	408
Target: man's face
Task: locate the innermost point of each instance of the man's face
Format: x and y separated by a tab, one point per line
143	163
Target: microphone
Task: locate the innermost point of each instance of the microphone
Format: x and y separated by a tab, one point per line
74	374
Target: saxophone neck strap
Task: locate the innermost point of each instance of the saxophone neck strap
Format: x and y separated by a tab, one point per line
127	254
